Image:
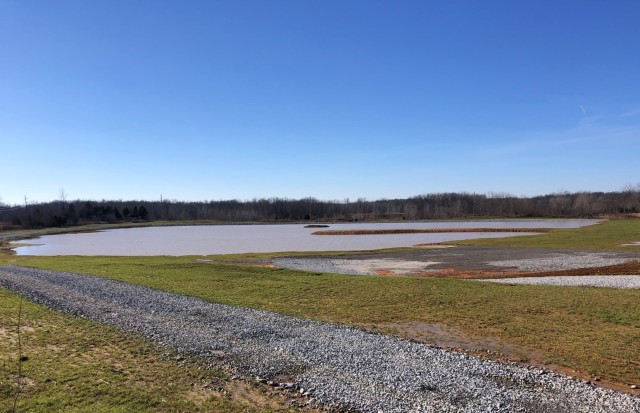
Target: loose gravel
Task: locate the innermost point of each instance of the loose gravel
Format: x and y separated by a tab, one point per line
615	281
370	266
420	261
559	262
333	365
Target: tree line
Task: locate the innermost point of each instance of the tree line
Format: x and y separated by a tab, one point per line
63	213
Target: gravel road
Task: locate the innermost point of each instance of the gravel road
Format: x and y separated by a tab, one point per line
332	364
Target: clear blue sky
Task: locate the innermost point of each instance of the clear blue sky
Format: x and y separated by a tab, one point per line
207	100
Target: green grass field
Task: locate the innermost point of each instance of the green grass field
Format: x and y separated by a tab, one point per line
606	235
592	330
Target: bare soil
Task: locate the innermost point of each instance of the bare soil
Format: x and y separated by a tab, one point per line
491	348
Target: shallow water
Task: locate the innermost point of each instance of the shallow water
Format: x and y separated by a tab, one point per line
232	239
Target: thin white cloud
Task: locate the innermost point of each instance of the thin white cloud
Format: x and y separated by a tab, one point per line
596	131
631	113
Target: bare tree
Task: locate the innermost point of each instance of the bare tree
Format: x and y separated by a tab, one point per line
630	197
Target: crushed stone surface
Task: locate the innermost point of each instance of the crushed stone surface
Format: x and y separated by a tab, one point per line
334	365
421	261
615	281
558	262
369	266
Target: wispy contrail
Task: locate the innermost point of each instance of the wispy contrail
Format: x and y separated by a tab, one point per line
584	110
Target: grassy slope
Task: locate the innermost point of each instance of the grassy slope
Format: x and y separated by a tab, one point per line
606	235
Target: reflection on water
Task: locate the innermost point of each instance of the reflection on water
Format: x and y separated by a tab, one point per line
232	239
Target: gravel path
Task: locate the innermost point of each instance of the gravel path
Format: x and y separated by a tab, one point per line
333	364
616	281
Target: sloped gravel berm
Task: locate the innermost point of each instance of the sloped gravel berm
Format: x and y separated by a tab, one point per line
334	365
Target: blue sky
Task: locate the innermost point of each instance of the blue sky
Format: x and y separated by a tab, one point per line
207	100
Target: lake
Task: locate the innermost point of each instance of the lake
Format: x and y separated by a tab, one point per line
233	239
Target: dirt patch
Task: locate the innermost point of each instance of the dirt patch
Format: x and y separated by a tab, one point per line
467	274
384	272
444	336
260	264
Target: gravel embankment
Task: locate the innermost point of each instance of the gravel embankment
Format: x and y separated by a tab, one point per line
615	281
333	364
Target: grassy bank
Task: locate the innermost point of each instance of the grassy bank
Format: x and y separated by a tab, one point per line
592	330
75	365
605	235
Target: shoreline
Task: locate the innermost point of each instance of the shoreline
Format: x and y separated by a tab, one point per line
429	231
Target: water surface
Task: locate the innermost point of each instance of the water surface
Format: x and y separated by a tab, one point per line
233	239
